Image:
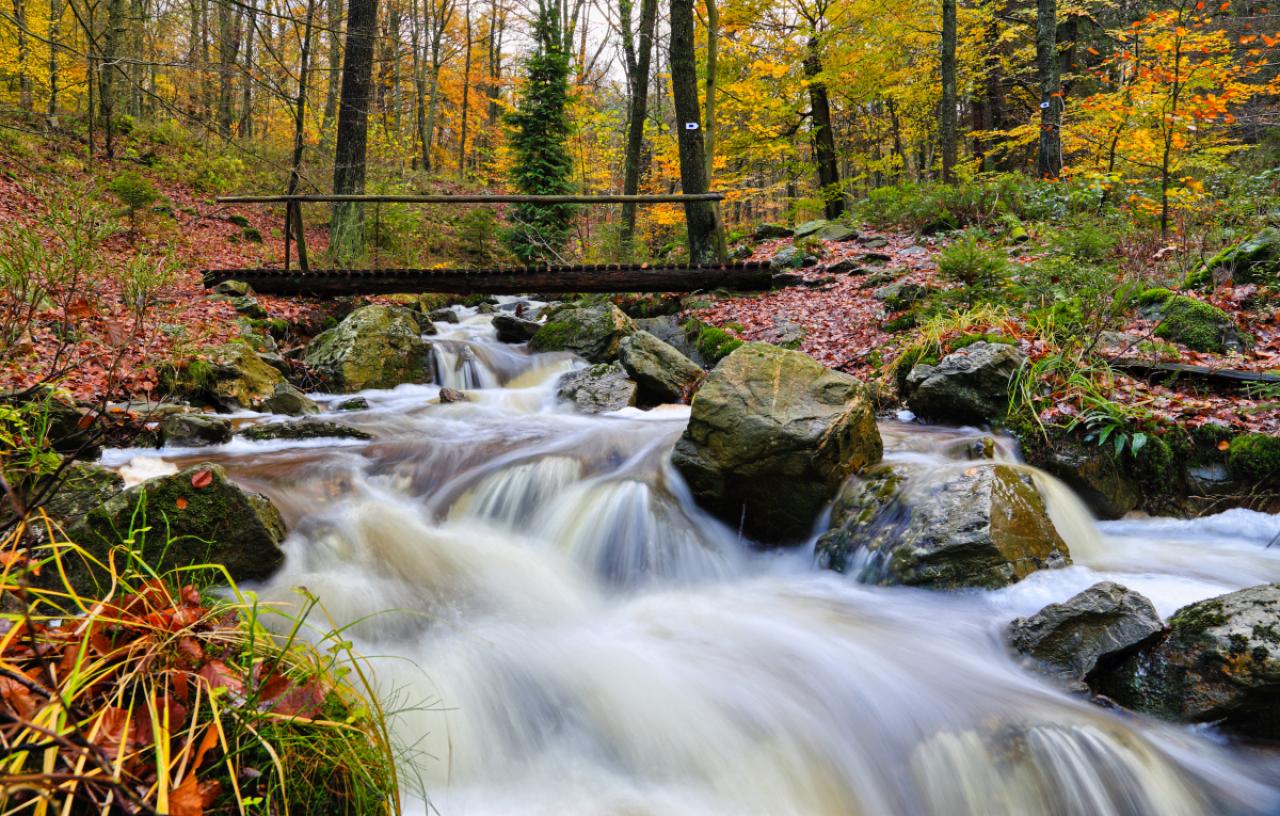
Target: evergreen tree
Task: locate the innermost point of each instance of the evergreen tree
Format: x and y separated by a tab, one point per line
540	130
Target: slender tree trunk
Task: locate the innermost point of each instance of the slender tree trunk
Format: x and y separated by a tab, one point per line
713	61
824	141
639	82
394	25
110	70
25	101
466	95
346	225
706	237
333	21
137	53
299	127
246	97
947	119
1049	163
228	52
55	17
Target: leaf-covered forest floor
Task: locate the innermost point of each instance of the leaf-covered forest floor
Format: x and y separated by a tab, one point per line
844	327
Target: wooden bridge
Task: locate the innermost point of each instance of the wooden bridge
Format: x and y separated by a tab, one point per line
551	279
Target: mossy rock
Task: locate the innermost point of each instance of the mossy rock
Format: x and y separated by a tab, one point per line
660	370
1195	324
711	343
771	436
195	516
1255	459
233	377
1254	260
302	429
373	347
984	526
593	332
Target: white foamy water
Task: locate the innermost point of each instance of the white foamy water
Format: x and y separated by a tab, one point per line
564	633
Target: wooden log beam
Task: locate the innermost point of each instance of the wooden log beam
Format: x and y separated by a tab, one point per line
1225	376
742	277
673	198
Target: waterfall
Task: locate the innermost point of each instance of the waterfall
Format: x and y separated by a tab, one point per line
562	631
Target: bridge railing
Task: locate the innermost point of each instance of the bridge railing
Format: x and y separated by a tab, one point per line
295	233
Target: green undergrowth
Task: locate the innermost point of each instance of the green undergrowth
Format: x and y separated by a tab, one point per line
712	343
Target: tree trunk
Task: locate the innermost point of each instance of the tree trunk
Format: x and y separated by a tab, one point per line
333	22
1049	164
706	237
638	79
108	72
55	16
824	141
347	223
293	219
713	61
466	96
246	98
228	54
25	101
947	119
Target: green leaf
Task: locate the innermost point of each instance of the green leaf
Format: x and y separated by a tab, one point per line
1136	444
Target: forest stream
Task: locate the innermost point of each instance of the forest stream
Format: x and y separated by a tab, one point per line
559	629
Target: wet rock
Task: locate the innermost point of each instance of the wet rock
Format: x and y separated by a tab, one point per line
900	295
448	395
84	486
288	400
373	347
1067	640
512	329
598	389
278	362
237	378
443	315
875	243
301	429
984	526
969	385
593	332
660	371
771	435
68	429
1218	662
1096	474
249	307
1254	260
982	448
194	430
353	404
766	232
195	516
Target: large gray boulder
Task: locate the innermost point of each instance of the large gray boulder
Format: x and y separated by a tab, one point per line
1219	662
662	372
967	386
598	389
593	332
983	525
195	516
288	400
1067	640
373	347
772	434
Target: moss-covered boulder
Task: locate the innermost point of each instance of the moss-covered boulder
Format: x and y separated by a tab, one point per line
1195	324
1254	260
598	389
288	400
1254	459
195	516
233	377
373	347
194	430
1219	662
662	372
1068	640
772	434
970	385
593	332
976	526
308	428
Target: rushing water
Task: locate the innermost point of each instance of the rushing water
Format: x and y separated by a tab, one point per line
562	631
